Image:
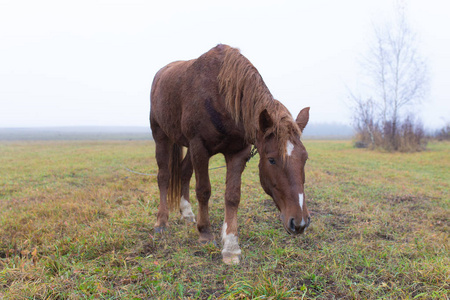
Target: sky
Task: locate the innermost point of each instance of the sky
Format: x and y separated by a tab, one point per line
91	62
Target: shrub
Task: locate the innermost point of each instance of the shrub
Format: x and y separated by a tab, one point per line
404	136
443	134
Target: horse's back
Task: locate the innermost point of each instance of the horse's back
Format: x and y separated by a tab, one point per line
179	92
188	78
165	98
167	84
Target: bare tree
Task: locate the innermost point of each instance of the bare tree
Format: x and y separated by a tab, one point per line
364	120
397	73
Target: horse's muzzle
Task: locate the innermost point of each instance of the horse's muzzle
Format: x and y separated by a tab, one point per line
296	227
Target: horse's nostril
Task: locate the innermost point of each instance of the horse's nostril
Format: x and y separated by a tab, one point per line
292	225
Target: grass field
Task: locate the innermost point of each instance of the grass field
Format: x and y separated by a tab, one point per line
75	224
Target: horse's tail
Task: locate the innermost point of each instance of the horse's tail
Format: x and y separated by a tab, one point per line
174	190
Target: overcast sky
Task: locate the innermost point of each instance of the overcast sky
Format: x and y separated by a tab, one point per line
91	63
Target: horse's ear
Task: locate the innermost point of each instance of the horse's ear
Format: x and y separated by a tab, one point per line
265	121
302	118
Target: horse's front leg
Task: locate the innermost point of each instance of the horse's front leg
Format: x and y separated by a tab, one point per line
231	251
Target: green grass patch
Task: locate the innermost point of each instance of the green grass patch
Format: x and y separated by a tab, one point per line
76	224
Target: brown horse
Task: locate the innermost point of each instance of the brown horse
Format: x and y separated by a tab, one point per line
218	103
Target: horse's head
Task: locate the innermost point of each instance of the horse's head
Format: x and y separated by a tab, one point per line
282	171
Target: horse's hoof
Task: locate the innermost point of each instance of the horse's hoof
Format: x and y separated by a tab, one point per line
190	219
206	238
231	259
160	229
206	242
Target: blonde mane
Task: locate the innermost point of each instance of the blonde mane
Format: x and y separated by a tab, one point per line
246	96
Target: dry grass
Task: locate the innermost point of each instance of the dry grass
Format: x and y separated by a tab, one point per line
76	224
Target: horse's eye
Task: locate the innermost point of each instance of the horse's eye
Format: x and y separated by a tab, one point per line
271	161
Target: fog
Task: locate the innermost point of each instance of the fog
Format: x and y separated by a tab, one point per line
91	63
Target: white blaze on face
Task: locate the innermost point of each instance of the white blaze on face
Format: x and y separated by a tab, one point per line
186	209
300	200
303	223
289	148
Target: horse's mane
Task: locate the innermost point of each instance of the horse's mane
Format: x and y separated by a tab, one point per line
246	96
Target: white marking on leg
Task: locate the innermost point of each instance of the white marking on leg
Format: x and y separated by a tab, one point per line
300	200
186	209
224	230
231	250
289	148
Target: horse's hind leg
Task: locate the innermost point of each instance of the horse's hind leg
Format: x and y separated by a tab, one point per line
186	174
200	159
162	144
